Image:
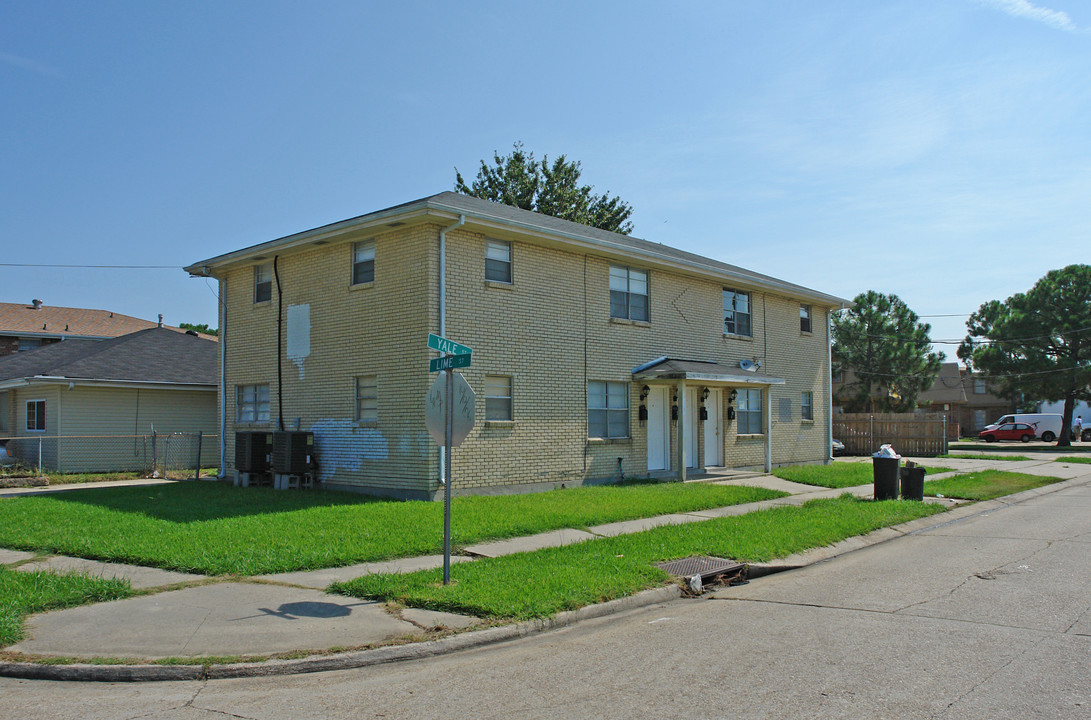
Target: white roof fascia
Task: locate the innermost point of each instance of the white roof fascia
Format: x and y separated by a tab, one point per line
88	382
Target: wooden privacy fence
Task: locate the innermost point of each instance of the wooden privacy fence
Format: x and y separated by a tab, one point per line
915	434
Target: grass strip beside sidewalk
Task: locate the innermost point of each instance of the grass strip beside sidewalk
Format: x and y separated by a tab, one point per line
545	582
25	593
837	475
214	528
986	484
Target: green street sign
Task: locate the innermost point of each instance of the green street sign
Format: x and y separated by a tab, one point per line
450	362
448	346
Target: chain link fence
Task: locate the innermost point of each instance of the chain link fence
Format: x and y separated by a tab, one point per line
174	455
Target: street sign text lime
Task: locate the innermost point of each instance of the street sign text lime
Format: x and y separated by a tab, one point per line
449	405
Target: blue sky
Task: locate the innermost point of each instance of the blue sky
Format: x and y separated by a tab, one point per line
936	149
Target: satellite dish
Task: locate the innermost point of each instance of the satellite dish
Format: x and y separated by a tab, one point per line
748	365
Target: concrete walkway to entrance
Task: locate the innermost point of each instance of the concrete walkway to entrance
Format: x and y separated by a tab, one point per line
194	616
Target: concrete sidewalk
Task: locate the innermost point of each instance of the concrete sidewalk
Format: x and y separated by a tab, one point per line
194	616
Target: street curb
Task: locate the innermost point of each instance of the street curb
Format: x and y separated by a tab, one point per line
342	661
479	638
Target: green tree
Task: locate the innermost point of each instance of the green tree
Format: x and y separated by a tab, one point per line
551	188
202	328
1037	343
886	346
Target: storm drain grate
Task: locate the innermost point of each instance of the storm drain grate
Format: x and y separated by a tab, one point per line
706	567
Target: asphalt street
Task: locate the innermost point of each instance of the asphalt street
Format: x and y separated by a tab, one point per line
983	617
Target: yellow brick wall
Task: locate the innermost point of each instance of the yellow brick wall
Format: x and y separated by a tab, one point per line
550	330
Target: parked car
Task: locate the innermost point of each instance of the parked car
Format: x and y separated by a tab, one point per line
838	447
1047	426
1009	431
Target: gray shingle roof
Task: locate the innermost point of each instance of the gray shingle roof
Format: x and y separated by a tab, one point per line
156	355
476	209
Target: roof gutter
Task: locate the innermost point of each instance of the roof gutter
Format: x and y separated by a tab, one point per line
103	383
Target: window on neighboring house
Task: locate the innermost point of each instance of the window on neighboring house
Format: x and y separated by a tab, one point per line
979	386
252	403
805	318
29	343
36	415
737	312
979	420
628	293
607	409
263	283
367	398
839	376
806	406
749	414
363	262
498	261
498	397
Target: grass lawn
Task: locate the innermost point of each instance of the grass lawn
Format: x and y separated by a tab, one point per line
214	528
24	593
985	485
836	475
1084	460
542	583
978	456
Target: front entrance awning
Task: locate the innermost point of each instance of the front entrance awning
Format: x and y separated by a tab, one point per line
666	368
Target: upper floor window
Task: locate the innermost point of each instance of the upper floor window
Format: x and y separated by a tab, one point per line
607	409
367	398
737	312
36	415
363	262
979	386
263	283
498	261
498	397
806	406
750	414
805	318
252	403
628	293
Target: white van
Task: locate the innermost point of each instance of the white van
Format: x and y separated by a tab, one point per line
1046	425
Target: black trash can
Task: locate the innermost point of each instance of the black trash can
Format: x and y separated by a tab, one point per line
885	474
913	483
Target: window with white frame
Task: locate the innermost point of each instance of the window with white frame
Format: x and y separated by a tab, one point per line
252	403
498	397
806	406
607	409
263	283
736	312
749	415
805	318
367	398
36	415
363	262
498	261
628	293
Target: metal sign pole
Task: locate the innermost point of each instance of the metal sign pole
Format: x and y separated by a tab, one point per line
449	413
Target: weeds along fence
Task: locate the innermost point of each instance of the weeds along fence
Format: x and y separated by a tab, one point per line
175	455
916	434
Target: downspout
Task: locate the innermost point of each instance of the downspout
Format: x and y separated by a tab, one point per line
768	399
443	316
223	382
280	347
829	381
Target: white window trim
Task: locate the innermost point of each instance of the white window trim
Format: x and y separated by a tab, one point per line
258	282
357	397
647	294
806	409
607	409
749	314
810	319
499	245
257	419
368	247
26	418
510	397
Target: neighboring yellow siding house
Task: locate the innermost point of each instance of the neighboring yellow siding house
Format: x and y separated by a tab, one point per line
594	354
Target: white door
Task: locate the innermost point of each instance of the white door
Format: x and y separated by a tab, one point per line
692	427
659	441
713	439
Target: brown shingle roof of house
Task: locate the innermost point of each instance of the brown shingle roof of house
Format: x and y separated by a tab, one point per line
48	321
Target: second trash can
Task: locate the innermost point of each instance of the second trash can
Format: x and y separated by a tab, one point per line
884	465
912	482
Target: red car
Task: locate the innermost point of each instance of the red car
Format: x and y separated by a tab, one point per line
1009	431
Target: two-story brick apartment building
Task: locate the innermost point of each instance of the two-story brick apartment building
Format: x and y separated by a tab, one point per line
590	349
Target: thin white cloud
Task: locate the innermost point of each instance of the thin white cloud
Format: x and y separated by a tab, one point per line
1022	8
25	64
